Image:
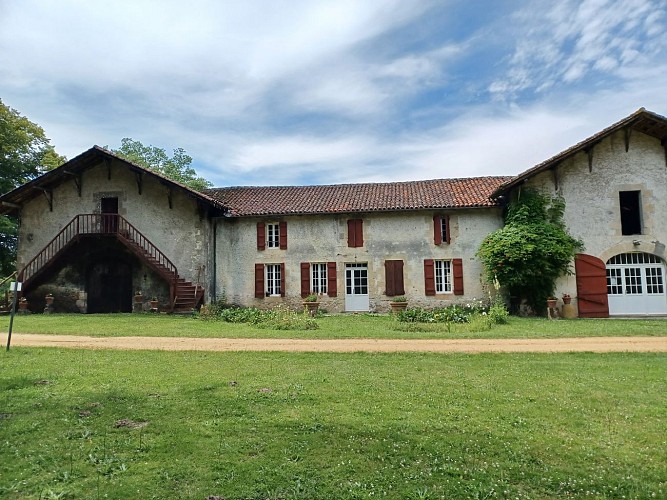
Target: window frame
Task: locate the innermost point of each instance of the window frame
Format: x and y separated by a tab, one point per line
444	279
319	273
273	280
272	235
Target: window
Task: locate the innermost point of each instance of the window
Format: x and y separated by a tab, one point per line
631	220
269	280
273	280
443	276
355	233
393	272
272	235
441	229
318	277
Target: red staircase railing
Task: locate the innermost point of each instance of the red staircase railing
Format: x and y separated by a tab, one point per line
94	224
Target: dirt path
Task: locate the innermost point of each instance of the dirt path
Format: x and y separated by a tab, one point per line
585	344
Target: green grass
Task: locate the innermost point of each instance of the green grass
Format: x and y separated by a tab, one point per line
276	425
330	327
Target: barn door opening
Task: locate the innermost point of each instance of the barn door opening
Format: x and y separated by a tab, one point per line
109	286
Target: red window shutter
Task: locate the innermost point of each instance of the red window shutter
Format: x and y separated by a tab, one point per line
355	233
457	271
332	288
394	277
445	236
429	276
261	236
305	279
359	233
282	280
259	281
283	235
437	229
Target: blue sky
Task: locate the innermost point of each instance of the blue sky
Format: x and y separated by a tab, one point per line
312	92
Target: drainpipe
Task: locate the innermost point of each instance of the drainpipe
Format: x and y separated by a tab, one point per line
214	297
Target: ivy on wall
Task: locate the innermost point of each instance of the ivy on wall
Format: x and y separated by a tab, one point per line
532	250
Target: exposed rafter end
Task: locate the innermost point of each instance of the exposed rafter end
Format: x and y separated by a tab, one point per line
77	180
554	171
48	194
627	131
589	153
139	177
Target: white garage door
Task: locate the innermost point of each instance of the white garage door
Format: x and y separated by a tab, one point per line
636	284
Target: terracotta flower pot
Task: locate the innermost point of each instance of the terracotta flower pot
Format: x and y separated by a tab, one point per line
398	306
551	303
311	307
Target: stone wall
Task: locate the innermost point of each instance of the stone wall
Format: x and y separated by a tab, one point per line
406	236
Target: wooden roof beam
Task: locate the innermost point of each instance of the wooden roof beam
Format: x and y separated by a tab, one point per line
77	180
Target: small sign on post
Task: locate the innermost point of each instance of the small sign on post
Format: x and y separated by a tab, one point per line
15	287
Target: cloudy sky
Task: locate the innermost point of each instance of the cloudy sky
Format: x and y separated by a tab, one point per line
264	92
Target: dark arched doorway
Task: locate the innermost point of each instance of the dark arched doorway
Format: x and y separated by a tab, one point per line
109	285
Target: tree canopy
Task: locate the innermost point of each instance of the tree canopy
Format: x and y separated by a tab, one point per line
25	153
178	167
533	249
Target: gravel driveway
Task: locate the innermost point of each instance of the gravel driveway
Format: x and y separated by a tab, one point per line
584	344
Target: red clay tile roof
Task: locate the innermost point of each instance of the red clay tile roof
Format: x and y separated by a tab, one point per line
345	198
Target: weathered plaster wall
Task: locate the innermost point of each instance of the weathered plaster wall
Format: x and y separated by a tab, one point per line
404	236
178	232
592	211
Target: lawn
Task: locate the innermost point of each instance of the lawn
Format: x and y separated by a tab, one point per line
112	424
330	327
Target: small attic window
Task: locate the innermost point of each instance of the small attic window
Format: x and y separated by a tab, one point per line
631	214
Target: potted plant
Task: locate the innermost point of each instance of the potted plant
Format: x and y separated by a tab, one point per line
138	297
551	302
49	299
311	304
23	304
398	304
154	304
566	298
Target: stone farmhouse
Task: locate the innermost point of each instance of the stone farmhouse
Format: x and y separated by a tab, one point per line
99	228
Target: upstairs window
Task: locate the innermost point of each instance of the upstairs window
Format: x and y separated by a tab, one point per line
631	214
272	235
440	229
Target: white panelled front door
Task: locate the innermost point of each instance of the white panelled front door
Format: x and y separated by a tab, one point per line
636	284
356	287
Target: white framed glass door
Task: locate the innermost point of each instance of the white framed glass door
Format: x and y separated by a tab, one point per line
636	284
356	287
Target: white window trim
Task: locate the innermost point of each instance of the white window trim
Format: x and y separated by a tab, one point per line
443	275
272	279
273	235
318	272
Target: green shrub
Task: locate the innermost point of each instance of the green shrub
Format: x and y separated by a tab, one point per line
455	313
279	318
499	313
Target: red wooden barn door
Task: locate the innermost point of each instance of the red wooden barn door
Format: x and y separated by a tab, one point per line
591	286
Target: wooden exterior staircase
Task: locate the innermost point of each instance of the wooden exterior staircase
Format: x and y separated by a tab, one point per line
184	296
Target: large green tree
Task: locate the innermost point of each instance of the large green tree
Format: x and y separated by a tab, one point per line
25	153
177	167
532	250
